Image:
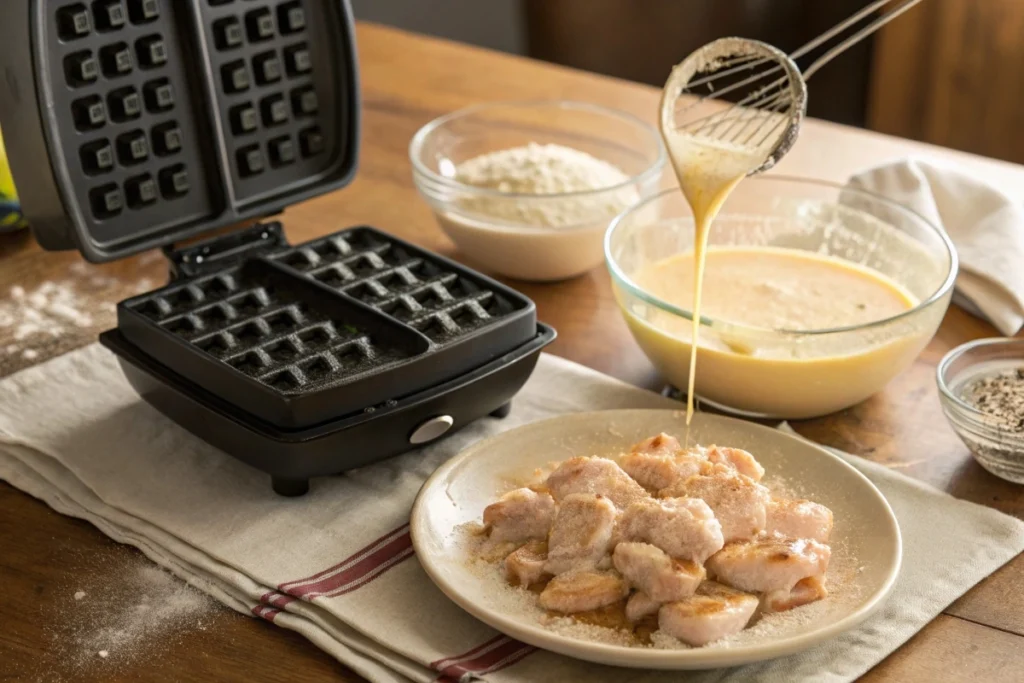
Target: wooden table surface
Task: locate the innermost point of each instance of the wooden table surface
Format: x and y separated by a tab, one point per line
407	81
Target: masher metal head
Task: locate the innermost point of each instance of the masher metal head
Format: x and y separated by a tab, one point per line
765	90
768	93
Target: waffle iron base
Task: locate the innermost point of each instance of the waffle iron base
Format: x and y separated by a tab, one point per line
293	457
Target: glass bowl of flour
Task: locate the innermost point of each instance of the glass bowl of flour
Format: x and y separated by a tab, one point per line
527	189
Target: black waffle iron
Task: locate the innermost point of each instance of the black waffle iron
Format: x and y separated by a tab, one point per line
136	124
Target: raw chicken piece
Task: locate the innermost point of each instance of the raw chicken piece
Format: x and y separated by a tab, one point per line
738	459
581	534
661	444
769	563
640	605
582	591
595	475
520	515
650	570
799	519
804	592
714	612
491	551
525	566
737	501
685	528
659	462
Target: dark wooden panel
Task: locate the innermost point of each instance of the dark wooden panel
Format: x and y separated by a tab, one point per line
641	41
949	72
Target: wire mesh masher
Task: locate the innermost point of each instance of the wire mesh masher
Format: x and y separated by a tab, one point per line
748	94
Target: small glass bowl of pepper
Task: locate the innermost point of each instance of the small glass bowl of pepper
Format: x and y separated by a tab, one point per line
981	387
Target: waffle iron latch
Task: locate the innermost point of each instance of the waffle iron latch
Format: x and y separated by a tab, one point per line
224	251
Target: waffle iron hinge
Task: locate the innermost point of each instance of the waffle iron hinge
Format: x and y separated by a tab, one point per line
225	250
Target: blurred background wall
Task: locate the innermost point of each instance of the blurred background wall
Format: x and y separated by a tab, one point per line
949	72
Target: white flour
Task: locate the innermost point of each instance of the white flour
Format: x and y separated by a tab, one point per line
47	319
47	310
132	611
536	169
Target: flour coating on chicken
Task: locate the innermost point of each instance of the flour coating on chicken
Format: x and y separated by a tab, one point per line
583	591
799	519
684	537
659	462
714	612
769	563
525	565
595	476
649	569
582	533
737	501
803	593
736	458
685	528
520	515
641	605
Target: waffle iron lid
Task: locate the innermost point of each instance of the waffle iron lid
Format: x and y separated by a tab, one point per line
133	124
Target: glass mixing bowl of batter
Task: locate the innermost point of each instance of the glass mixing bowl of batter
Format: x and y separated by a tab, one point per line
815	295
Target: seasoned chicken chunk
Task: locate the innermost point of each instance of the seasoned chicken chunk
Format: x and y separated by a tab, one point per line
525	566
659	462
640	605
714	612
799	519
595	475
768	563
660	444
737	459
685	528
582	591
650	570
581	534
520	515
804	592
737	501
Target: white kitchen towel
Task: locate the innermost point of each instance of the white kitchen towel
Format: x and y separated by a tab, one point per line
985	225
337	565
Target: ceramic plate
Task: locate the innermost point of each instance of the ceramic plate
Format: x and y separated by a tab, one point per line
865	541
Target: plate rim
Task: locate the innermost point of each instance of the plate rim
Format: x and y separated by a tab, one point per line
649	658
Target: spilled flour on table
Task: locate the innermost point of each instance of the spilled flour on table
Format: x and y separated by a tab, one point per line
59	315
48	310
132	610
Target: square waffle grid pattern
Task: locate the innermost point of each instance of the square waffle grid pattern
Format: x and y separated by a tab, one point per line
270	81
443	303
302	335
269	333
128	122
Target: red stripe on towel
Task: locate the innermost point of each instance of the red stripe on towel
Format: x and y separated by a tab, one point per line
508	661
493	642
358	581
494	655
348	575
264	612
344	564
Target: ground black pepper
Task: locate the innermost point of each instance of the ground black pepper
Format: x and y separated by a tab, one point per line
1001	396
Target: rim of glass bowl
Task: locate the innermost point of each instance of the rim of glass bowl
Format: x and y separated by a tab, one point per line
449	183
978	417
637	291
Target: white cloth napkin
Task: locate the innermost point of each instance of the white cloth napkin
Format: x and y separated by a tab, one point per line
337	565
985	225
